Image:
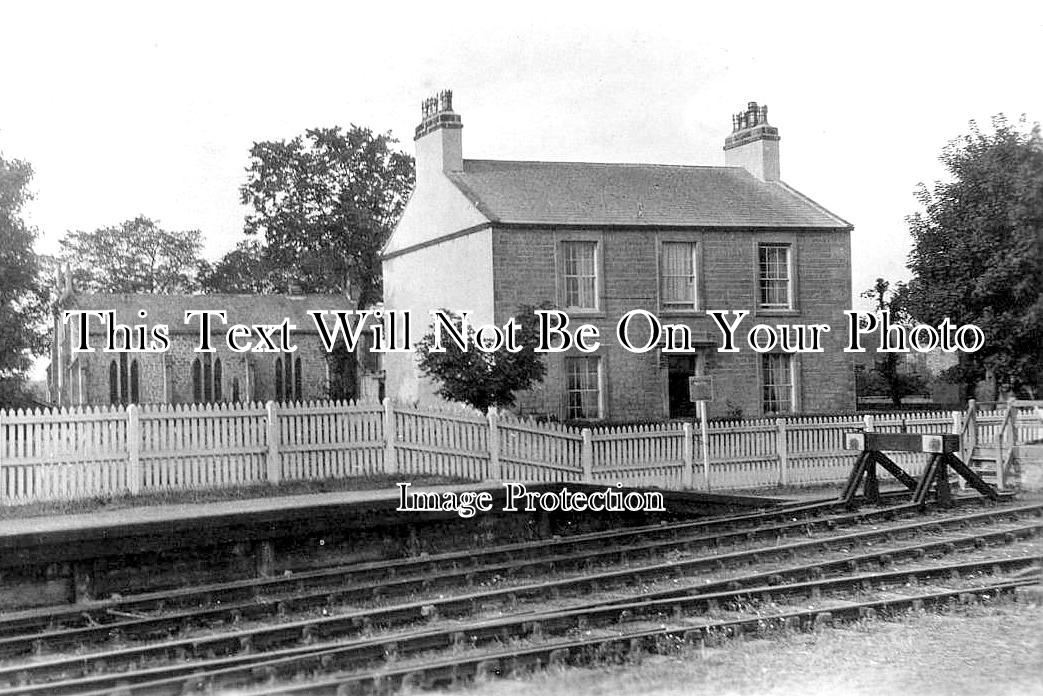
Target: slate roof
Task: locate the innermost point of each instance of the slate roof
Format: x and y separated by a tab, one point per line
241	309
583	193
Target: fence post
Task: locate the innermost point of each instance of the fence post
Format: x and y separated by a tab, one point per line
3	449
133	450
704	443
781	448
1013	406
972	430
494	445
390	458
274	473
867	422
688	456
587	456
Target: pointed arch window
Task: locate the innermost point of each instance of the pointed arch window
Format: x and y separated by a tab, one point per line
206	379
114	383
297	379
197	381
135	382
217	379
124	380
288	378
279	385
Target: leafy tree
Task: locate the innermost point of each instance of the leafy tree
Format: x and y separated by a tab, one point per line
245	269
977	252
886	378
485	379
22	301
325	203
134	256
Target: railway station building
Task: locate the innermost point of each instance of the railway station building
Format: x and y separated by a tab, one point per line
598	240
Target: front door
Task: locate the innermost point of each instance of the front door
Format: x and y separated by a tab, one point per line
680	368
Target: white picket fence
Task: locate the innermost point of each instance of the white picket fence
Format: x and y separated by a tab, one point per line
88	452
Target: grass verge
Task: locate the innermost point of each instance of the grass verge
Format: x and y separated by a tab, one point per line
994	650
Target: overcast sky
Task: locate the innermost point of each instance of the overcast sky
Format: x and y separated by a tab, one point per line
151	108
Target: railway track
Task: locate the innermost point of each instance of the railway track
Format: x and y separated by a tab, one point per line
365	582
75	674
623	645
361	657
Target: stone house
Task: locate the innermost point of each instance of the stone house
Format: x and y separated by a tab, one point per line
180	374
598	240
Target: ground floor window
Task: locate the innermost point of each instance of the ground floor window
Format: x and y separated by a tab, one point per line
207	379
124	381
777	381
583	387
288	378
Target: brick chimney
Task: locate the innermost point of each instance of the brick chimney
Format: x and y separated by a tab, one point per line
439	146
753	144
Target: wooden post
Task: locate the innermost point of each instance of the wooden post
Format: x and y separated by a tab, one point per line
587	456
390	458
781	448
957	429
704	443
133	450
972	429
1012	408
688	456
867	423
494	446
3	448
274	473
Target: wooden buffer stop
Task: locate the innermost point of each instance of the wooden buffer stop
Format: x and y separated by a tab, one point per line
942	450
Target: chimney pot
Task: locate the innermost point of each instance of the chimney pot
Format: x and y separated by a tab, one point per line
753	144
438	139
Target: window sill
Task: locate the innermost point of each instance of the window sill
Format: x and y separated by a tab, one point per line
769	312
574	312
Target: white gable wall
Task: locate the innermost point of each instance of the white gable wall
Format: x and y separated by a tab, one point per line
455	274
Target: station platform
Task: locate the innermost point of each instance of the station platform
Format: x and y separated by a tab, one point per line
169	527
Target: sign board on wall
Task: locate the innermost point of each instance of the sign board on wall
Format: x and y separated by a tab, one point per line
700	388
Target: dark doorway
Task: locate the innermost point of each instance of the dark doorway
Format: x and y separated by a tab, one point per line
680	368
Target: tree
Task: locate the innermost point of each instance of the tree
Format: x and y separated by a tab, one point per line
485	379
886	377
22	300
325	203
977	252
134	256
245	269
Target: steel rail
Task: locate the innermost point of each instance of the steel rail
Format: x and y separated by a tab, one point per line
245	596
538	626
94	612
98	613
310	630
101	622
163	627
462	668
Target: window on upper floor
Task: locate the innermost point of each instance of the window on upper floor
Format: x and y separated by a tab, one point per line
580	275
583	387
774	276
677	270
777	383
